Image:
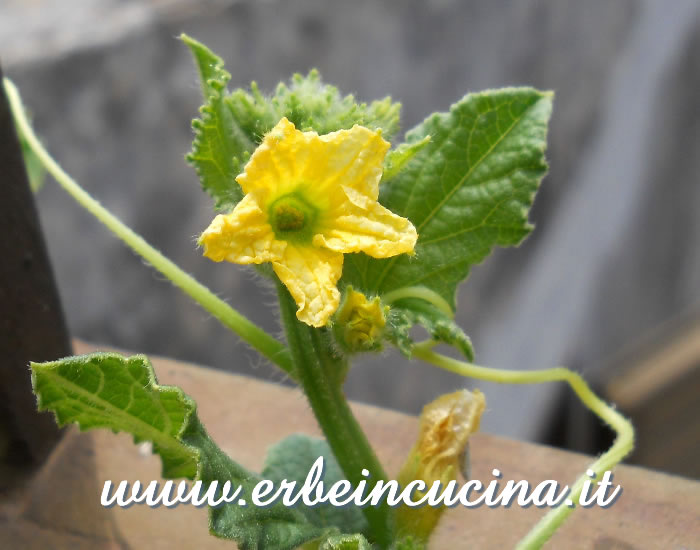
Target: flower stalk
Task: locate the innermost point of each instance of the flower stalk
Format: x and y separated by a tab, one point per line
320	375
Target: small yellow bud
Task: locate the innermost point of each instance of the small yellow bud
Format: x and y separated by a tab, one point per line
360	322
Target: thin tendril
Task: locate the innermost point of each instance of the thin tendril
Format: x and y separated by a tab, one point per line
622	446
422	293
256	337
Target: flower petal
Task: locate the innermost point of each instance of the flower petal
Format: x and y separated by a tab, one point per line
310	274
274	167
288	159
244	236
352	158
375	231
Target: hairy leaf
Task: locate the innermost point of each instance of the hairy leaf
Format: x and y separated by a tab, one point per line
220	147
233	124
310	105
292	459
107	390
406	313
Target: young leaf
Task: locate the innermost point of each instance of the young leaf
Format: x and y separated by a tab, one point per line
219	145
107	390
232	125
468	190
410	311
292	459
310	105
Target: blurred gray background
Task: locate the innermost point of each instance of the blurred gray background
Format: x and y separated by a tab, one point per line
616	251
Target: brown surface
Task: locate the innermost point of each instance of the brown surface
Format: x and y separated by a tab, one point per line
61	509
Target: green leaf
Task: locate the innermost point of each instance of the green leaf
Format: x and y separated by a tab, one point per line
274	527
397	158
220	146
469	189
292	458
107	390
232	125
405	313
346	542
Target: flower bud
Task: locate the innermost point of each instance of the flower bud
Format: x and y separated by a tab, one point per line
359	323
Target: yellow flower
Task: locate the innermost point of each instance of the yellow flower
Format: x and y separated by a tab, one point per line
308	200
445	427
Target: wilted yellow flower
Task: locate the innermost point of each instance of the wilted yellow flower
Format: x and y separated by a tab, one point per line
308	200
445	427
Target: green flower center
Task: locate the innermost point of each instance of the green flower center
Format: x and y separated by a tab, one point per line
289	218
292	217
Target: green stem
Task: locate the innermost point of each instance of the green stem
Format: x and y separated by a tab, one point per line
317	371
624	442
422	293
260	340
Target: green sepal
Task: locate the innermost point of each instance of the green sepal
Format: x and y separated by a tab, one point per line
107	390
291	459
466	191
407	312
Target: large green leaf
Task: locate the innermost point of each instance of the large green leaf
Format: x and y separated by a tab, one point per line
233	124
466	191
107	390
292	458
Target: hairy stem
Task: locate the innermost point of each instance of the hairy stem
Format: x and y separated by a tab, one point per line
257	338
317	371
624	442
